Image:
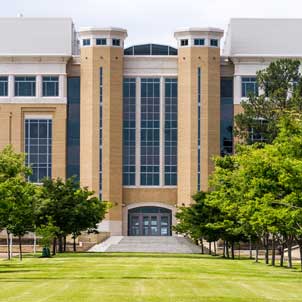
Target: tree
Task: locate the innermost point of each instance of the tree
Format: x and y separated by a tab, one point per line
72	209
281	86
13	189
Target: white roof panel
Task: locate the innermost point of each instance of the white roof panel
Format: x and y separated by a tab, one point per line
36	36
264	37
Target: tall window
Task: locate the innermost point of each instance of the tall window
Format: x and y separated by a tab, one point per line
150	131
50	86
170	132
198	125
129	126
101	134
38	142
25	86
3	86
249	86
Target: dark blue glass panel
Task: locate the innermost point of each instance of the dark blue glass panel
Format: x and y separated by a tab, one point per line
3	86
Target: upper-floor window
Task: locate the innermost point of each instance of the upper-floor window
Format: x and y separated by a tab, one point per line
3	86
86	42
101	41
249	86
184	42
116	42
50	86
214	42
198	41
25	86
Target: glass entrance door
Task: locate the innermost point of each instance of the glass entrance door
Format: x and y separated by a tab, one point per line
150	224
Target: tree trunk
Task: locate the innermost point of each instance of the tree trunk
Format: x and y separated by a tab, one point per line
250	247
210	248
54	246
239	249
227	250
60	244
282	254
215	250
20	248
300	249
289	254
223	255
74	244
273	251
202	248
8	245
265	241
257	253
64	244
232	250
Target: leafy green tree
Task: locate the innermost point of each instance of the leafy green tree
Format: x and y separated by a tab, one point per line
47	233
281	86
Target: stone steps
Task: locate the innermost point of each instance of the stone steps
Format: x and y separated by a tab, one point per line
153	244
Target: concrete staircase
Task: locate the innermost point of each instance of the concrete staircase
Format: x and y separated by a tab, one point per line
148	244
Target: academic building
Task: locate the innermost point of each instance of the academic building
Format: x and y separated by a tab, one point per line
138	125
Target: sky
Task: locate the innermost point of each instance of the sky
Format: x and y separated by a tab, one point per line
152	21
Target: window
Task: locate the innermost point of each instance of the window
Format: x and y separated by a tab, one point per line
170	132
3	86
249	86
198	125
198	42
214	42
38	142
150	50
25	86
50	86
101	136
184	42
101	41
86	42
129	127
150	131
116	42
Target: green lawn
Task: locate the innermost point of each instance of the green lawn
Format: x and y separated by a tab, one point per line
145	278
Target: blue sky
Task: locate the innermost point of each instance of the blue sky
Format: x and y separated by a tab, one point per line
152	20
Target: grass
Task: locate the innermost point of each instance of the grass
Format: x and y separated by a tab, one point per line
87	277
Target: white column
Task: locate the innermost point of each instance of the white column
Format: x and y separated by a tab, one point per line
11	88
237	89
62	86
138	133
39	86
162	133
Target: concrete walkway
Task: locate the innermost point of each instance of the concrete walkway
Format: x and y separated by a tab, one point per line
147	244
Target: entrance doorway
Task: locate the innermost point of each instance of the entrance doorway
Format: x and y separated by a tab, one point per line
149	221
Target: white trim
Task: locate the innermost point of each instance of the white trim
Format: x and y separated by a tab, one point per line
138	131
29	116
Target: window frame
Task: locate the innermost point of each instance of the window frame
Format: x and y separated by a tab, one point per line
214	43
16	82
116	42
100	40
49	81
5	83
199	40
86	42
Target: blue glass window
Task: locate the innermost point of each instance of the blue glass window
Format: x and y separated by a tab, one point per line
170	132
50	86
116	42
184	42
214	42
249	86
198	42
86	42
73	127
25	86
226	116
150	131
102	41
150	50
38	143
129	126
3	86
